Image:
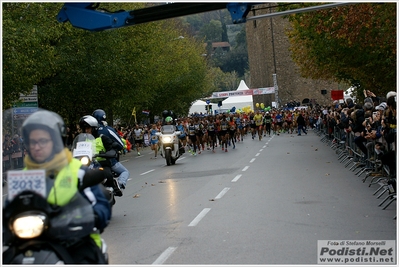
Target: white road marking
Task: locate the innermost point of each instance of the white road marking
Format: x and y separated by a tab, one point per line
180	158
236	178
245	168
221	194
147	172
199	217
257	154
164	256
252	160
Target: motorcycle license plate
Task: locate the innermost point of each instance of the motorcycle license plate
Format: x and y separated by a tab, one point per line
19	181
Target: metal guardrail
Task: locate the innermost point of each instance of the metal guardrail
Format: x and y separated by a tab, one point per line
369	165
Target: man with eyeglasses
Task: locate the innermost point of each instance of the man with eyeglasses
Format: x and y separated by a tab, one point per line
44	135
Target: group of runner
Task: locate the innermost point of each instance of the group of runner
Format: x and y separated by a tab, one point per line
200	133
207	132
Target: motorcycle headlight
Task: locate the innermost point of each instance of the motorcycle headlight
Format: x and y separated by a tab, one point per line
29	226
85	161
167	139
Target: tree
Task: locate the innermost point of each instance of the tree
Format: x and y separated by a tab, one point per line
30	34
211	31
355	44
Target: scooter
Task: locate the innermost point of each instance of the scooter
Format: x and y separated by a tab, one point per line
83	149
170	146
36	232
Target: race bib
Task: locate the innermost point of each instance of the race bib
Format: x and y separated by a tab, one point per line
83	149
19	181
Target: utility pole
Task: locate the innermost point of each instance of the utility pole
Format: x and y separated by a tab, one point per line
275	90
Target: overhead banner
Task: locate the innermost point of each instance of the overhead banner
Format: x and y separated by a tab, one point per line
257	91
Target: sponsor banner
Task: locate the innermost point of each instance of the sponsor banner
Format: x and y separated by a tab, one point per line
356	252
263	91
257	91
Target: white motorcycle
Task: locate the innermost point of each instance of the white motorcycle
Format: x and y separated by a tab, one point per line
170	144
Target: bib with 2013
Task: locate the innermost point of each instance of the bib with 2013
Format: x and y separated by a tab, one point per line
19	181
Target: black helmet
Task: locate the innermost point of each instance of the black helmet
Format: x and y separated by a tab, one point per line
89	121
48	121
99	115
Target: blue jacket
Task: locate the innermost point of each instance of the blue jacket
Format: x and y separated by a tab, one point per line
111	133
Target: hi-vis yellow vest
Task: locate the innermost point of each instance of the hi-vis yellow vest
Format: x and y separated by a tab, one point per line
99	147
66	186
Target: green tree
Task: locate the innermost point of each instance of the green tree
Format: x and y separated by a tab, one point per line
355	44
30	35
144	66
211	31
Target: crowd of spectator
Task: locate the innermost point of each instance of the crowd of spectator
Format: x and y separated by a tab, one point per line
371	125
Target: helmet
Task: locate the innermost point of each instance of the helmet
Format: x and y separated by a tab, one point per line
89	121
168	119
50	122
99	115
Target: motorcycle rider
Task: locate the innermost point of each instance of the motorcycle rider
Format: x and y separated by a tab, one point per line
103	143
44	135
104	129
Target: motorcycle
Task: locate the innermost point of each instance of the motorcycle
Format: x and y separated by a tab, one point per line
36	232
170	146
45	219
83	148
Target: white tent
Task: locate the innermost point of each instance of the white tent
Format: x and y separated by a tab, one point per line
238	101
198	106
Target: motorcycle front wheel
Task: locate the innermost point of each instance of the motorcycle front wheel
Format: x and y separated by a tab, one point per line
168	157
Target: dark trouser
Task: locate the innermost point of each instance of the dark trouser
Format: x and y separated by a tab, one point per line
268	128
108	173
301	127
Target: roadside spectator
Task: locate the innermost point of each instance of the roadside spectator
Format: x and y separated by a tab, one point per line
7	151
70	137
17	152
389	120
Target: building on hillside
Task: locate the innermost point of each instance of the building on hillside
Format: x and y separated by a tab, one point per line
225	46
268	54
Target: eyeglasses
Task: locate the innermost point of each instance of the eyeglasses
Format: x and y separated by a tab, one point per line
41	142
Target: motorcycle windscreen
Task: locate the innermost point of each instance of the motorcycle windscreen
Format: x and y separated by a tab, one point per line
73	221
167	129
84	145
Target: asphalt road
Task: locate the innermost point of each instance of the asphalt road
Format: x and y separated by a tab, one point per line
265	202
